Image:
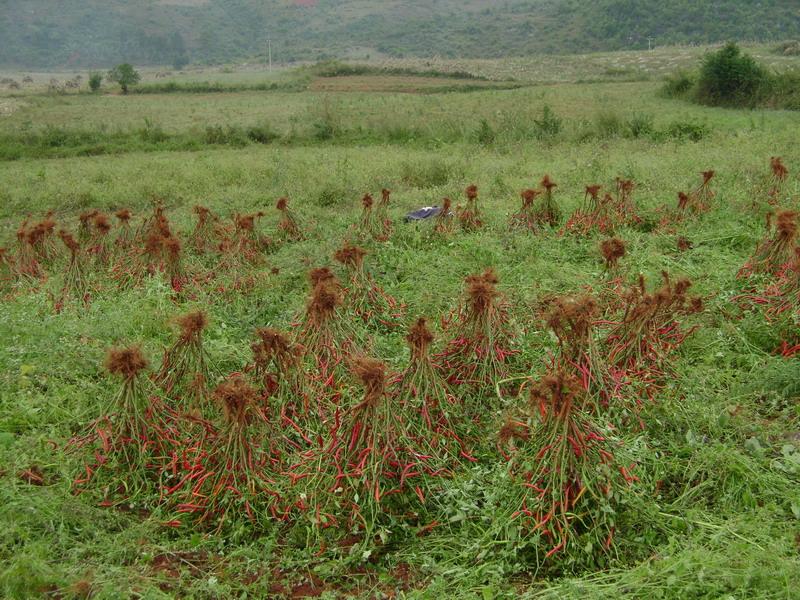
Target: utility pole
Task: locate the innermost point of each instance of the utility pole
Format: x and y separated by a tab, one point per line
268	53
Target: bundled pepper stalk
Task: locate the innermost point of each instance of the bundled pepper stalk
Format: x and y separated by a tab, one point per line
478	353
364	297
564	466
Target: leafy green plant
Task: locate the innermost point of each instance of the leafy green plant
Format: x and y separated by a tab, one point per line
95	80
125	75
548	126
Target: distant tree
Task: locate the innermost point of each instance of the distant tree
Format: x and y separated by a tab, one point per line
125	75
95	80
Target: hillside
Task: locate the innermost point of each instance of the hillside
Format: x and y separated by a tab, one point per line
86	33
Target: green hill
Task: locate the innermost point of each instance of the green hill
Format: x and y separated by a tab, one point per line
86	33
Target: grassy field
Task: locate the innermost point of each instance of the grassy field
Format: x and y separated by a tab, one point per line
715	509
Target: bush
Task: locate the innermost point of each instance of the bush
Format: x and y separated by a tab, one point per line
152	133
95	81
607	124
230	135
549	126
485	135
639	126
687	130
677	85
261	134
729	77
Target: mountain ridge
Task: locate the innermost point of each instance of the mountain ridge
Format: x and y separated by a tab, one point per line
95	33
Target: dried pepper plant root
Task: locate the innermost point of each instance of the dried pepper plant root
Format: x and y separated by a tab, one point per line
478	353
525	217
227	477
74	285
470	217
289	225
567	477
364	296
134	434
186	369
547	211
775	252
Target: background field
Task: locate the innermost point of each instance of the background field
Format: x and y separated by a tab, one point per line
716	512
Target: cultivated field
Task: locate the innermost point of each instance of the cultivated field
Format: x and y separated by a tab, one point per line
560	427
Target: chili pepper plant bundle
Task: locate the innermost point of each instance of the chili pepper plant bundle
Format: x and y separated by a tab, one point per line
525	217
74	284
100	245
186	368
85	226
470	216
27	265
41	238
133	435
774	253
564	466
478	352
368	225
324	331
548	211
374	462
426	398
574	321
202	237
227	475
650	329
278	367
701	197
382	216
778	176
365	297
124	237
444	223
289	225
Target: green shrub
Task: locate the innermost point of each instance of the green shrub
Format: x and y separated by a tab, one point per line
639	125
95	81
230	135
485	135
152	133
687	130
677	85
548	126
426	173
261	134
729	77
607	124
